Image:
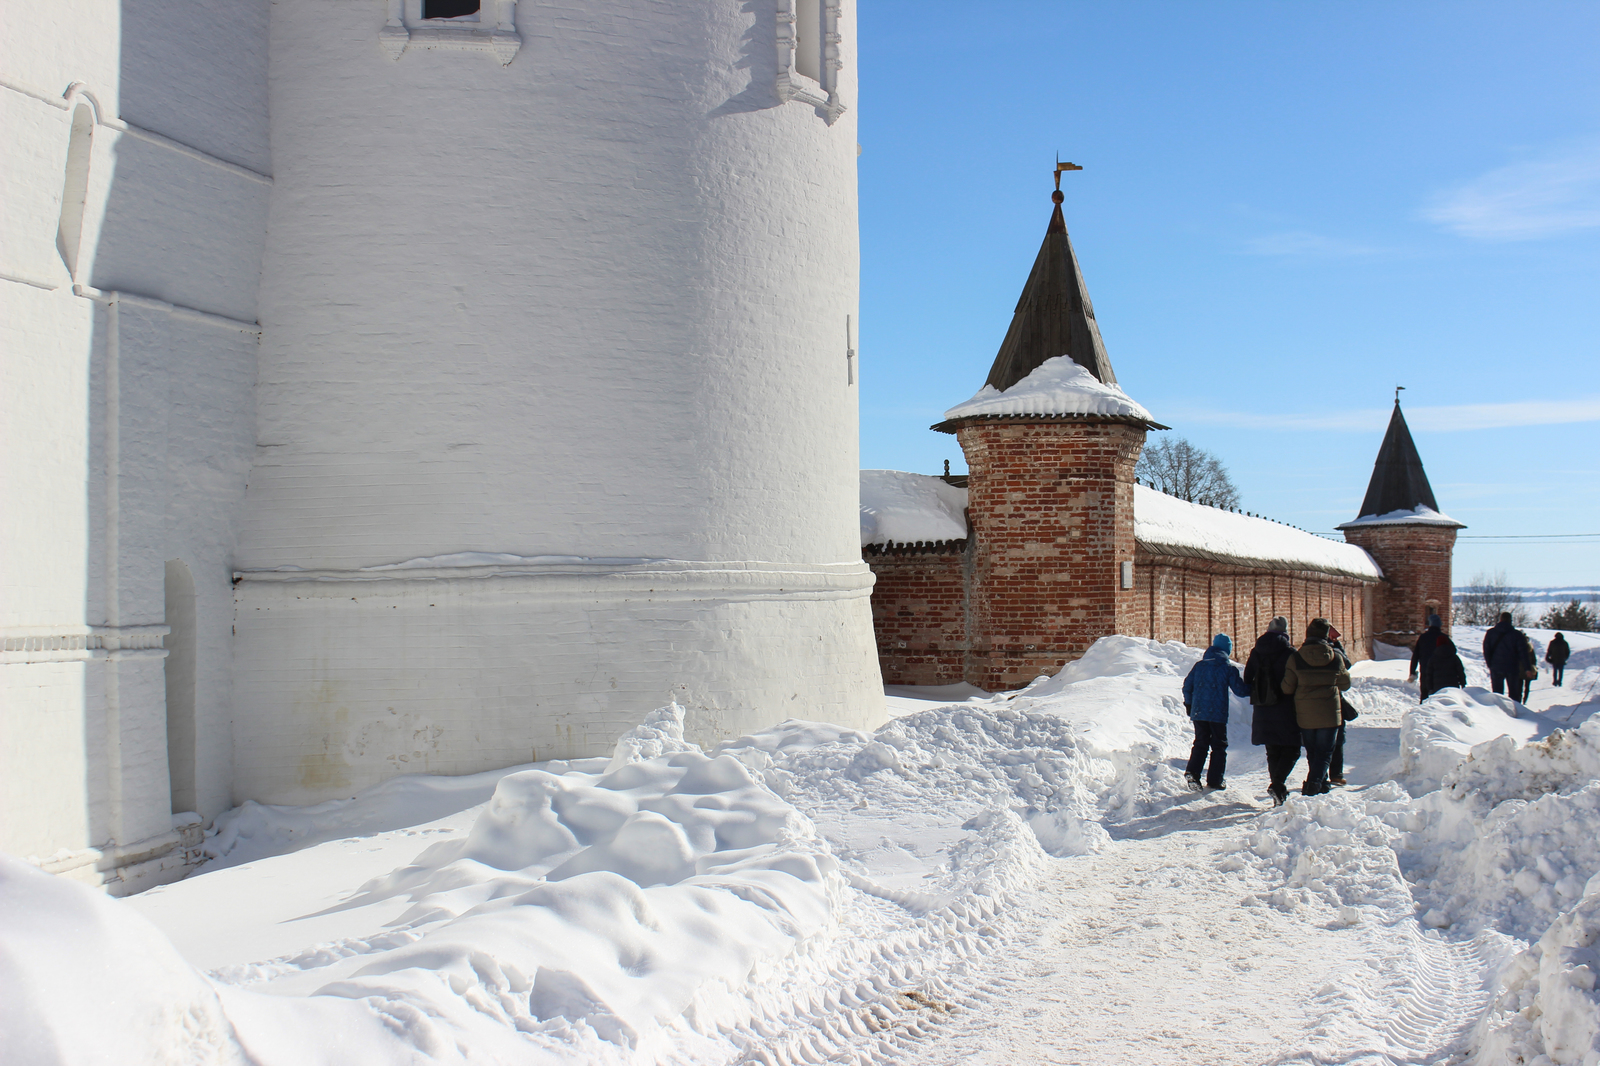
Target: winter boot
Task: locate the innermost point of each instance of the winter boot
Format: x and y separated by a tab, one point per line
1192	781
1340	781
1279	794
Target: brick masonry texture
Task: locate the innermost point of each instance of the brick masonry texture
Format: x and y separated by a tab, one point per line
919	613
1050	509
1193	600
1416	567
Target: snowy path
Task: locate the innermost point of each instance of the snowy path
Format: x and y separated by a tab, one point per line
1160	950
1151	953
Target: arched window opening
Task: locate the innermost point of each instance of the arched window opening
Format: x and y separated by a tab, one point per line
75	191
180	670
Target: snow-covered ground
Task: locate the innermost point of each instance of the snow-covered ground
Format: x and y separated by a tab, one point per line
1010	878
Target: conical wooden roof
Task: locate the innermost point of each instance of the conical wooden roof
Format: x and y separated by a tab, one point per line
1398	480
1053	316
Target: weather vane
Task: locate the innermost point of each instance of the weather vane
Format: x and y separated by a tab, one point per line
1060	166
1398	389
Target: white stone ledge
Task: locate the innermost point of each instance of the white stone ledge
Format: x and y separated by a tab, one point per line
150	303
656	579
59	644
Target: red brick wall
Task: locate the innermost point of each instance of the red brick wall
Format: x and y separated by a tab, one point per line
919	616
1190	600
1050	504
1416	568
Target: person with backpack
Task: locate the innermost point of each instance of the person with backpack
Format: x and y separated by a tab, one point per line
1530	671
1445	669
1315	676
1346	714
1556	655
1205	697
1422	655
1425	655
1273	725
1505	652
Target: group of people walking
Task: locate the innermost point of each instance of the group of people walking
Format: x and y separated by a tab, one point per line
1297	694
1298	700
1513	661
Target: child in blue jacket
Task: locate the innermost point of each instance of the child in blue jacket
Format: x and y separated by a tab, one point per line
1205	697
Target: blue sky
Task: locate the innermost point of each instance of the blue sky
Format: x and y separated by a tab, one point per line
1287	210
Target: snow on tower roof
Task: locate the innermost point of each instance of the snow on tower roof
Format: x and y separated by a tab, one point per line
1057	388
1399	493
1166	525
909	509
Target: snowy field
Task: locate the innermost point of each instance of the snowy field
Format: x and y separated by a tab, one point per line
1018	878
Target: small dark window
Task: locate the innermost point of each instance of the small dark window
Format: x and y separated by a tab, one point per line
448	9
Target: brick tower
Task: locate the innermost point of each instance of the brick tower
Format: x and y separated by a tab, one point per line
1400	526
1050	442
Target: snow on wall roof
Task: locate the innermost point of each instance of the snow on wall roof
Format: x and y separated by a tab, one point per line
902	508
1420	515
1166	525
1058	387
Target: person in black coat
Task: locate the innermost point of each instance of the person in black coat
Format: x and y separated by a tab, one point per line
1445	669
1422	652
1423	658
1505	652
1273	723
1557	655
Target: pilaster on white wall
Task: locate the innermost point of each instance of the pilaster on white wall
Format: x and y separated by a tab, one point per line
133	192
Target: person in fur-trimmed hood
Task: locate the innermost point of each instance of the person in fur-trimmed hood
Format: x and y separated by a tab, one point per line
1314	676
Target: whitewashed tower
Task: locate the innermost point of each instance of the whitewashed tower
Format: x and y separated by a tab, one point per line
570	288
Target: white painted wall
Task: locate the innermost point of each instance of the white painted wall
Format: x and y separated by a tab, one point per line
128	421
588	304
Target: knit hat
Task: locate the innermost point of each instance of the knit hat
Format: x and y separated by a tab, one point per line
1434	622
1279	624
1223	641
1317	629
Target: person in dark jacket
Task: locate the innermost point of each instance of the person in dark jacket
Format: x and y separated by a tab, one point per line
1445	668
1273	723
1315	677
1205	697
1505	652
1422	654
1336	757
1422	659
1556	655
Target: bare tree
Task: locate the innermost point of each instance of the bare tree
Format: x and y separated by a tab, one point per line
1486	599
1179	469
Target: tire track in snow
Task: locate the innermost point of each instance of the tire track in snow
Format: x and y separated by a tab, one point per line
1415	1002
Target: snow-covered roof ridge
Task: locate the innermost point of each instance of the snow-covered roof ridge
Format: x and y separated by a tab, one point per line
1057	388
1420	515
902	508
1166	525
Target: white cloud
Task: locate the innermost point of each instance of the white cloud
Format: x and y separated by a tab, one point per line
1436	419
1304	243
1544	197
